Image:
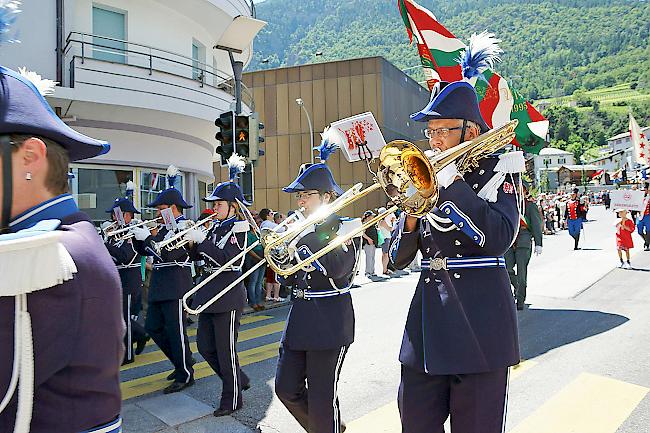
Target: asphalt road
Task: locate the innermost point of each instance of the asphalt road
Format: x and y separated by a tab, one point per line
584	341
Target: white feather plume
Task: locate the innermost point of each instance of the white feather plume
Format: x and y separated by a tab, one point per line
172	171
130	186
236	165
44	85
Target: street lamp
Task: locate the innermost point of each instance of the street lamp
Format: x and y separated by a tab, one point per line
301	104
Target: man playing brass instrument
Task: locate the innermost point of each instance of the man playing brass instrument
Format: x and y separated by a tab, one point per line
461	329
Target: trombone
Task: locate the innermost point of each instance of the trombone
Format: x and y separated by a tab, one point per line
126	232
297	216
178	240
407	175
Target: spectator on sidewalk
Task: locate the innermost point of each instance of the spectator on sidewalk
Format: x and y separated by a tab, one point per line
254	281
624	229
370	240
530	228
385	227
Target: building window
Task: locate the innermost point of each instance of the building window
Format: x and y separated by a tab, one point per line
95	189
109	30
198	61
561	161
151	183
547	161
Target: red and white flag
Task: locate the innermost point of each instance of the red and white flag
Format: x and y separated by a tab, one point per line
640	143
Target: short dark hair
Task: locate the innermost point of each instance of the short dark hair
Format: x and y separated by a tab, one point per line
264	213
56	179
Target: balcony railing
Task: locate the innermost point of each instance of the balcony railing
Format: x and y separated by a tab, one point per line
82	46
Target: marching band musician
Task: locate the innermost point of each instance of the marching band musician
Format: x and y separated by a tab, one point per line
129	266
218	328
320	324
171	278
461	329
76	324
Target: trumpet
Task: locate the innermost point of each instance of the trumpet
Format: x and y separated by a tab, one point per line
178	240
296	216
407	176
126	233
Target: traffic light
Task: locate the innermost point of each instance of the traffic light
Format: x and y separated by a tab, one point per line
225	124
241	135
255	138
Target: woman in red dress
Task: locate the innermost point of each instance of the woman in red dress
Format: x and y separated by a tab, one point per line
624	230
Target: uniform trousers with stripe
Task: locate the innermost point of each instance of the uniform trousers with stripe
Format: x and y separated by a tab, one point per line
134	331
476	402
165	324
306	383
217	342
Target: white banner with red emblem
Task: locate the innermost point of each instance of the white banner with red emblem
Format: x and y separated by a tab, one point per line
358	136
627	199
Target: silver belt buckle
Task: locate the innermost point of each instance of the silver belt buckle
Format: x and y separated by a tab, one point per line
299	293
438	263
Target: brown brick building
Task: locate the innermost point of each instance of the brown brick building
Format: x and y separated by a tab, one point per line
330	91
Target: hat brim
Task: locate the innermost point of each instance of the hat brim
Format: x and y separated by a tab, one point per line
23	110
442	106
304	183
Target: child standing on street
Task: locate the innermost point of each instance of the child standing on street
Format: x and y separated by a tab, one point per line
624	229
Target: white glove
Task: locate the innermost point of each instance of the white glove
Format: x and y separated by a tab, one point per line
447	175
538	250
105	225
195	235
140	233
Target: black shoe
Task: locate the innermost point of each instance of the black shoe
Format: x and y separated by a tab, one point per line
178	386
223	412
171	376
246	387
343	427
128	361
140	344
520	307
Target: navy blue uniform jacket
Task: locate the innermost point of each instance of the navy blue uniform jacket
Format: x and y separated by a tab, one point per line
128	265
78	348
462	321
215	255
322	323
172	274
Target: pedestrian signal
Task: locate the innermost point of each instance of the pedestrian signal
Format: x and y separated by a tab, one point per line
225	135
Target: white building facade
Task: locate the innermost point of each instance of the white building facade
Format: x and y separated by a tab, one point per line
143	75
547	164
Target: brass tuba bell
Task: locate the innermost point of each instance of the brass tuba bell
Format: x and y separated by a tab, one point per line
408	175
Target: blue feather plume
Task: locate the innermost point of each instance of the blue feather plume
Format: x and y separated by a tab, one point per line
8	13
326	149
481	54
236	165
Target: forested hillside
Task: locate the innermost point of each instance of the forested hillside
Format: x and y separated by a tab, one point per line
551	47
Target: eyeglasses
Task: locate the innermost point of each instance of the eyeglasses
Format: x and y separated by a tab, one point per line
304	195
441	132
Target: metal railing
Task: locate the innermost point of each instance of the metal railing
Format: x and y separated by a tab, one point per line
117	51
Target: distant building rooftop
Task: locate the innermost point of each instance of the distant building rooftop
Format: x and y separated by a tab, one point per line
626	134
553	151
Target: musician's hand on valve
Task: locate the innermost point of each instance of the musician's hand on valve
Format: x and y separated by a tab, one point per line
448	175
195	236
140	233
